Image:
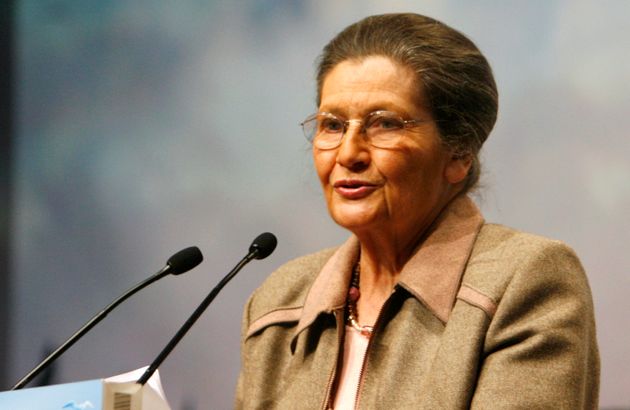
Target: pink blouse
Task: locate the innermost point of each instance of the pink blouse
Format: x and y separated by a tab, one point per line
355	347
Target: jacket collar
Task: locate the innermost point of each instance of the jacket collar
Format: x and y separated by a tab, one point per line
432	275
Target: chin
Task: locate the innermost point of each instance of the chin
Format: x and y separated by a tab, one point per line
354	219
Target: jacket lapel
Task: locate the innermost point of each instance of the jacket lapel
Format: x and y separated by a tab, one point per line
329	290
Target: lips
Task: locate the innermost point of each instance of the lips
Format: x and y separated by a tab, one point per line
354	188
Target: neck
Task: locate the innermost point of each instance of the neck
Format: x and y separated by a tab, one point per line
385	251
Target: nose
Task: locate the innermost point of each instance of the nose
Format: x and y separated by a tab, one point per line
353	153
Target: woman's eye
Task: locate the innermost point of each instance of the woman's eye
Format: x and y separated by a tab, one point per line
387	123
331	125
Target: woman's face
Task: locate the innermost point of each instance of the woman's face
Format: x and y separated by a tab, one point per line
369	188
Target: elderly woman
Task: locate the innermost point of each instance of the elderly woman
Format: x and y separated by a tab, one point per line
425	306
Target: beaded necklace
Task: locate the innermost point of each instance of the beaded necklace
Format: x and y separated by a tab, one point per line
351	302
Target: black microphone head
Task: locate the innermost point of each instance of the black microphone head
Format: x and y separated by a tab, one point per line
185	260
263	245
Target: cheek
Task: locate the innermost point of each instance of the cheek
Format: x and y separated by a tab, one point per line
324	162
413	171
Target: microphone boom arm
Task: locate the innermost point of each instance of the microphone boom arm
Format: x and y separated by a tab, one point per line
89	325
179	263
193	318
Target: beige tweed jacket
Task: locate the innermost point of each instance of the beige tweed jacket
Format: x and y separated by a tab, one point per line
483	317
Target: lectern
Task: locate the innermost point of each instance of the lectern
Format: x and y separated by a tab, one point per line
115	393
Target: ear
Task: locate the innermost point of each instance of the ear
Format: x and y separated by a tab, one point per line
457	168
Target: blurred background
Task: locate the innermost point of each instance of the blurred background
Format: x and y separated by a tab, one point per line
137	128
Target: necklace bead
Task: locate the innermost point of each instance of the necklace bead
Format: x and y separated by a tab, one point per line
353	296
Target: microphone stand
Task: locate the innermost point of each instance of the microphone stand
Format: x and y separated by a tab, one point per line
196	315
89	325
180	262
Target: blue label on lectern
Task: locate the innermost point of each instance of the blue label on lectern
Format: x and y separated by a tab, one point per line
71	396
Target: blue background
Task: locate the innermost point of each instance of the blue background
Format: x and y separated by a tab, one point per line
144	127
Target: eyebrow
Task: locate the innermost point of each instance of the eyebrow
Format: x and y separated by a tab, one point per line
389	106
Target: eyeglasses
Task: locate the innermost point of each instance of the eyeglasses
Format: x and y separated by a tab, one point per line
382	129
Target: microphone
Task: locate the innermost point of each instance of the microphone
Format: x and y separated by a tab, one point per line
179	263
261	247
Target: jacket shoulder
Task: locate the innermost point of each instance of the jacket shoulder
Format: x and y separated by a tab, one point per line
500	254
287	286
541	330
